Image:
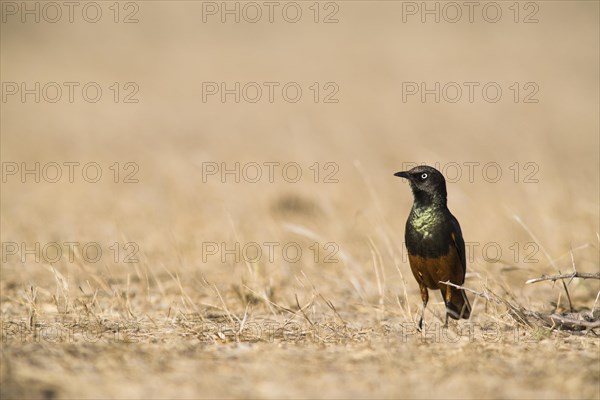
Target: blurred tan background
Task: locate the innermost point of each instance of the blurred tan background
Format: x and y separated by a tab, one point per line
369	134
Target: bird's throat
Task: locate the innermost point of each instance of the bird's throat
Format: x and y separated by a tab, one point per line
425	199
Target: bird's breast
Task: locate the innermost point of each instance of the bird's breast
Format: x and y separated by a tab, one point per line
425	223
427	233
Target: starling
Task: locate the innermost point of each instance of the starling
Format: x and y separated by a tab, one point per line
436	248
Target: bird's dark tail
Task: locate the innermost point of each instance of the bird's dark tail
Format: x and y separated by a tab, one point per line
458	307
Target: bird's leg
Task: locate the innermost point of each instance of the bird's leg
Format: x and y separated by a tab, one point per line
425	298
447	298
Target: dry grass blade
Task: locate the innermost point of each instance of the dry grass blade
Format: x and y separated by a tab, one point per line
516	217
327	302
269	302
302	309
377	264
486	294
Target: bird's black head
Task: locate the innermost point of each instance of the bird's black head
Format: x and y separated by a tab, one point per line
427	183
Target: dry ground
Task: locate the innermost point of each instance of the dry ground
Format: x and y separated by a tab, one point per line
181	322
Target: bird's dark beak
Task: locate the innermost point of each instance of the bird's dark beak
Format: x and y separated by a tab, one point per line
403	174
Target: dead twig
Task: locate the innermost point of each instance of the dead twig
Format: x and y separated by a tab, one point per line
571	321
576	274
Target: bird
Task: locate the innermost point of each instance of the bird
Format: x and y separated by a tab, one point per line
435	244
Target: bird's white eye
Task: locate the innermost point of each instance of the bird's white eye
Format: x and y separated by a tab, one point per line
424	176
